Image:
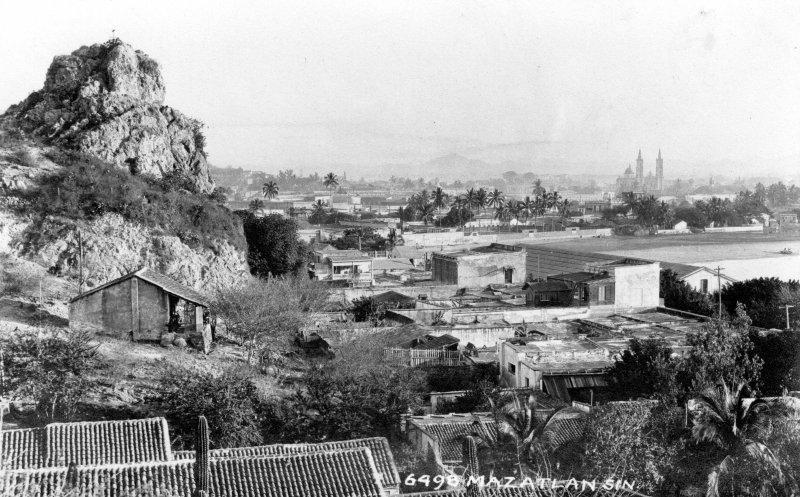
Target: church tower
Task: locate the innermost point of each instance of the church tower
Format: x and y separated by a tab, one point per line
659	172
640	171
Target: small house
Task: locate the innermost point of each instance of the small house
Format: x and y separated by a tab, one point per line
139	306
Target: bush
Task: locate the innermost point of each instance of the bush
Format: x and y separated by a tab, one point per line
50	368
273	246
88	188
229	402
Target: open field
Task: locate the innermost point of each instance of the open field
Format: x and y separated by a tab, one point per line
742	255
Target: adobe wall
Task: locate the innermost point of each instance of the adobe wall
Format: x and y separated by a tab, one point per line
484	269
107	311
637	285
153	311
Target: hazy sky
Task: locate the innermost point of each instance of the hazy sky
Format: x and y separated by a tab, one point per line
324	84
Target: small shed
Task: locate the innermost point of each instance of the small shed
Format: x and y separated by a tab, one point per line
138	306
548	293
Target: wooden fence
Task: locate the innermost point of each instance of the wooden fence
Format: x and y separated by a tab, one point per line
412	357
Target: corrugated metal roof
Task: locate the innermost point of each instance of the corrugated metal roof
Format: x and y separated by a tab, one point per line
559	385
544	261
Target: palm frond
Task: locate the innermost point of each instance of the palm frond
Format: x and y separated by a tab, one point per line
761	452
713	477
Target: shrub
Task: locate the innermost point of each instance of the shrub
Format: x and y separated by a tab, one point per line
230	402
50	368
88	188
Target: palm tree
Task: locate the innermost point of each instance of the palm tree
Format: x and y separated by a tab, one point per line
539	208
460	203
256	205
726	421
564	209
495	199
514	210
528	208
439	199
515	417
317	211
270	190
481	198
331	182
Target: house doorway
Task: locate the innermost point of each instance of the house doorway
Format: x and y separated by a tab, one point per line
509	273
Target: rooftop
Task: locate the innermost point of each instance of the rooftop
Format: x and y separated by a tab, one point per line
379	446
316	474
164	282
101	442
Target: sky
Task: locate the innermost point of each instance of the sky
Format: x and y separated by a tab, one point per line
366	86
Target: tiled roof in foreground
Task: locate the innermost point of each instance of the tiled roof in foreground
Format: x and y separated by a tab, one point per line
100	442
340	473
379	446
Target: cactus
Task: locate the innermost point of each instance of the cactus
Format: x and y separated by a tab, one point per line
202	466
469	448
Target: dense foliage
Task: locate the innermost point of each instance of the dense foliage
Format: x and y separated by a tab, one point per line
645	370
51	368
635	441
365	239
677	294
273	246
88	188
764	300
229	402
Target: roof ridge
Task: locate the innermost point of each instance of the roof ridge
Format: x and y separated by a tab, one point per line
107	421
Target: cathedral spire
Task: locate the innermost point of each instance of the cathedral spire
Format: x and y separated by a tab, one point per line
659	153
640	155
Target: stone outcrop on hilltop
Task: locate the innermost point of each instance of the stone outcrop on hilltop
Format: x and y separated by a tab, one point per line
108	100
112	246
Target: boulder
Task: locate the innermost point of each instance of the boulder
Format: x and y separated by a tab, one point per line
167	339
180	342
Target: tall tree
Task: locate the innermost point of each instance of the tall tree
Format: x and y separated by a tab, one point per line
440	199
273	246
256	205
270	190
726	421
331	182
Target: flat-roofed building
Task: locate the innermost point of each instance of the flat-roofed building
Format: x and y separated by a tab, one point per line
480	266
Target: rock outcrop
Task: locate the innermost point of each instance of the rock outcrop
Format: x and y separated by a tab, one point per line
108	100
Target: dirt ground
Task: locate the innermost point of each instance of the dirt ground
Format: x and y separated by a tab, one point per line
33	301
688	248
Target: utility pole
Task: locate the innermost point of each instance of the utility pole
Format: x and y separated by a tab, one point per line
719	290
787	315
80	263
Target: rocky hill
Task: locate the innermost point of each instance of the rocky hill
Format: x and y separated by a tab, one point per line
107	100
96	152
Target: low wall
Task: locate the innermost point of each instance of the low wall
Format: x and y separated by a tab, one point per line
467	315
479	336
432	291
755	228
686	231
559	235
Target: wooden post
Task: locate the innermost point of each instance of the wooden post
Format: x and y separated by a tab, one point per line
134	308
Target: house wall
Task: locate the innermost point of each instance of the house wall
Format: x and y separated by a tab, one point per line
444	271
694	281
637	285
486	269
153	311
107	311
480	269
